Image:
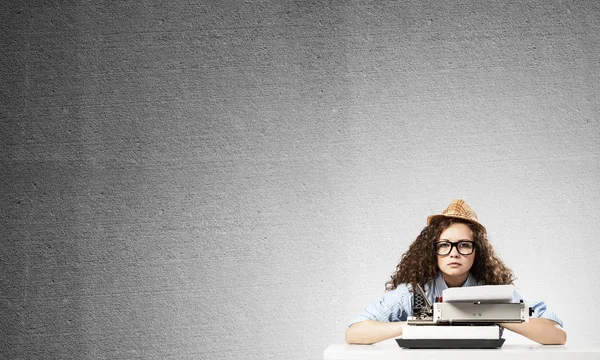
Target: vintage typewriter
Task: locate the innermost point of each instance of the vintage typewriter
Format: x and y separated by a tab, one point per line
464	318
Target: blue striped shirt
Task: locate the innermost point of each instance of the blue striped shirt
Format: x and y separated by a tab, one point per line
396	305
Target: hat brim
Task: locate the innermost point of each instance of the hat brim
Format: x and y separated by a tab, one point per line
432	218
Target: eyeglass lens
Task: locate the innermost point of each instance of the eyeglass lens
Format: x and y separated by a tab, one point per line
445	247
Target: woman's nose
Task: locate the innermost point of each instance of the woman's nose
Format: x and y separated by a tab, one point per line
454	252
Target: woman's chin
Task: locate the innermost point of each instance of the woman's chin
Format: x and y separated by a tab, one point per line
454	272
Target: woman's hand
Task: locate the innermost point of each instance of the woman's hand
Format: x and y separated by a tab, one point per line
372	331
540	330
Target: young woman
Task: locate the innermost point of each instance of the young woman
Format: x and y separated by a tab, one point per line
451	251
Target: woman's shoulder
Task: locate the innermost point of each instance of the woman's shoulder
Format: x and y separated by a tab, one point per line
401	295
400	290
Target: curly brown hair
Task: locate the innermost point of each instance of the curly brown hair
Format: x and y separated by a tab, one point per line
419	264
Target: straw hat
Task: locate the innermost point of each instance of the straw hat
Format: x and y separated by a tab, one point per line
457	209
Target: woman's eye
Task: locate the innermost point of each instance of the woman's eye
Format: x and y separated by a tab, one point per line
443	245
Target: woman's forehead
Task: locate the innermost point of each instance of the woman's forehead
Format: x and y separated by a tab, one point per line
457	231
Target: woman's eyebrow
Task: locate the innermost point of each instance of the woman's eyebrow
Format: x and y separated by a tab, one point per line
456	240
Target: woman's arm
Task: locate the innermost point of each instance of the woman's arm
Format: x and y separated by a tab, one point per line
540	330
543	331
372	331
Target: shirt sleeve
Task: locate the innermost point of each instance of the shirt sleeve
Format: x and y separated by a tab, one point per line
540	310
394	306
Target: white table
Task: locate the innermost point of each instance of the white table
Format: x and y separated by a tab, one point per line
390	350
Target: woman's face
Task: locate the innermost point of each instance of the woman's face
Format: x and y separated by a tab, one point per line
455	253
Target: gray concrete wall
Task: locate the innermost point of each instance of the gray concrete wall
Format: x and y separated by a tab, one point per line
239	179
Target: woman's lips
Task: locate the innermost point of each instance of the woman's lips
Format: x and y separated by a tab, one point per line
454	264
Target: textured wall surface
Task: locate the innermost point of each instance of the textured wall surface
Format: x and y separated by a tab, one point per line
239	179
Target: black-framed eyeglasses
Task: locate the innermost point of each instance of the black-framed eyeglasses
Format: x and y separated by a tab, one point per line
464	247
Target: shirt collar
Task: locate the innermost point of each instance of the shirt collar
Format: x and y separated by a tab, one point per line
435	287
440	284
